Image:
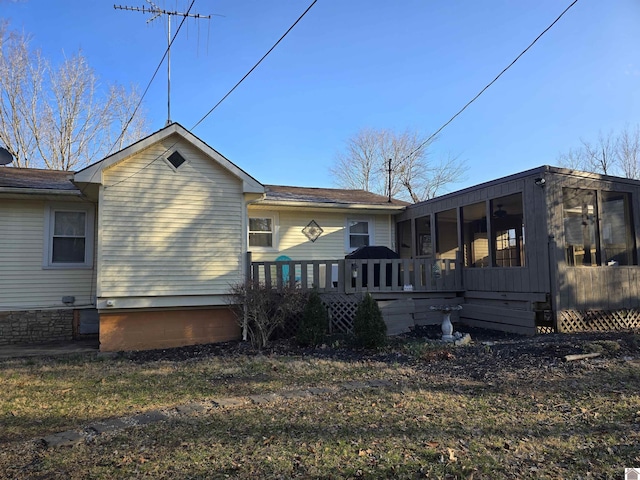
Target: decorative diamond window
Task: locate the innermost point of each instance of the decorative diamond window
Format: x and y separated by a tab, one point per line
312	231
176	159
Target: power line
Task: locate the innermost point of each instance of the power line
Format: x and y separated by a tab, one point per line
157	12
432	136
256	65
152	77
223	98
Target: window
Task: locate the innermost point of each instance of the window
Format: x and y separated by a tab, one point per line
359	234
580	219
598	228
423	237
68	236
261	232
447	234
507	231
618	243
475	240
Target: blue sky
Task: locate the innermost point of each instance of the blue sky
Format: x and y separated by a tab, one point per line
351	64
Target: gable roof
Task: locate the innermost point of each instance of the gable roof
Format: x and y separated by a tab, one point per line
93	173
280	195
32	180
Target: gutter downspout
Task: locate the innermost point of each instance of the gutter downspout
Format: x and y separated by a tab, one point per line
246	259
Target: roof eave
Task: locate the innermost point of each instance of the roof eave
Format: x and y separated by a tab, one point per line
93	173
332	205
38	191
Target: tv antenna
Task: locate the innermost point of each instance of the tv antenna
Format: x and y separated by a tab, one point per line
158	12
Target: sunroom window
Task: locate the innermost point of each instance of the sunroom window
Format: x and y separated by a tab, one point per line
507	231
598	229
618	245
475	238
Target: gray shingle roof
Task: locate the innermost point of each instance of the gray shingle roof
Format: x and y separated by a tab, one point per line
31	178
280	193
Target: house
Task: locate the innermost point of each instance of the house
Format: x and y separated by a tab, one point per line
149	240
545	249
143	247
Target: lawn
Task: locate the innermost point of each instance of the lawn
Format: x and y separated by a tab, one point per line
507	408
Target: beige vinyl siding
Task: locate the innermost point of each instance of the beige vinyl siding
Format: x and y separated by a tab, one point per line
384	231
24	284
167	232
330	245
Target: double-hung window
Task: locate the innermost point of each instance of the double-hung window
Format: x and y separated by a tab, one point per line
68	236
262	232
359	233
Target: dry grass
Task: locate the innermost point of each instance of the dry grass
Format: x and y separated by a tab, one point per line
459	414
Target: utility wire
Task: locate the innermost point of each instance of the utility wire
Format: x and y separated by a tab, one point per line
153	77
256	65
223	98
432	136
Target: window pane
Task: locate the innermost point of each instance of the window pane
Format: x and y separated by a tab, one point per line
68	250
403	231
359	227
507	231
618	245
580	220
423	236
260	240
356	241
259	224
69	224
447	234
475	239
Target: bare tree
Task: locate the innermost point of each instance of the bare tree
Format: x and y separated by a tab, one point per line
612	154
601	155
414	175
628	151
59	118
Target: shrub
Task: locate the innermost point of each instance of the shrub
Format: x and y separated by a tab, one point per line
261	310
314	323
368	325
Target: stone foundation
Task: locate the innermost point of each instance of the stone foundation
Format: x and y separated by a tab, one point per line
36	326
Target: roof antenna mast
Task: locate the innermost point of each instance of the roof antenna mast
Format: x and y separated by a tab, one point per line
157	12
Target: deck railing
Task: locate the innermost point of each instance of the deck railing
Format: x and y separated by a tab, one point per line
355	276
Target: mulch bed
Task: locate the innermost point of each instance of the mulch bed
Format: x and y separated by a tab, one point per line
489	350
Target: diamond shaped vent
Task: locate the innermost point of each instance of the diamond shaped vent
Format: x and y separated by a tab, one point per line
176	159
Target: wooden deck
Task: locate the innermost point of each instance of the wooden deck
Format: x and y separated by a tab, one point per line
359	276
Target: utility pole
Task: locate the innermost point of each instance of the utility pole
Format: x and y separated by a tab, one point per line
389	180
157	12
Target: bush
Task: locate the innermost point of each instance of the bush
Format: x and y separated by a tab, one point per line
368	325
261	310
314	323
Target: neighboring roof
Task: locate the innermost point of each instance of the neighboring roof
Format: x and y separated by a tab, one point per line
93	173
31	179
334	197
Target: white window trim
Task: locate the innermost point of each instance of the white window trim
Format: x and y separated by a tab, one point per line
49	219
275	222
347	243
